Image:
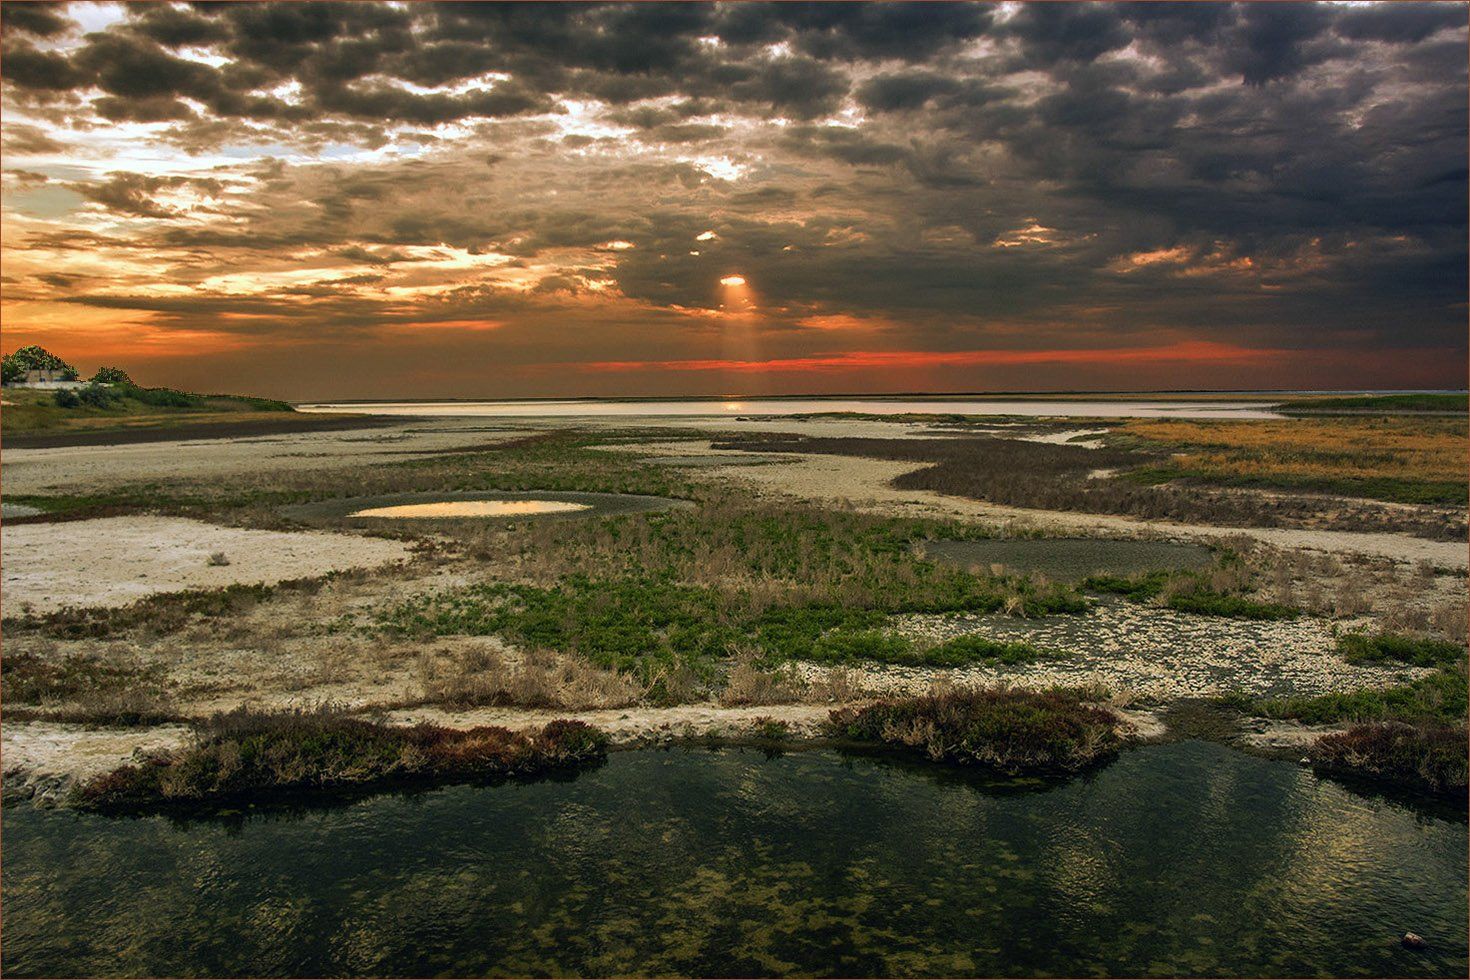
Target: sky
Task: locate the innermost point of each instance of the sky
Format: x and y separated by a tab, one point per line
416	200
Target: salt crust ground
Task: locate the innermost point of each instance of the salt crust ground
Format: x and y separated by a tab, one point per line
113	561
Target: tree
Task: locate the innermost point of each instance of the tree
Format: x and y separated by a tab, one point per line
98	396
111	376
34	358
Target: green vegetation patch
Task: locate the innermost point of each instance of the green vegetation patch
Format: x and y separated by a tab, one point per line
1361	648
1210	603
161	614
83	688
1437	698
1412	402
1217	592
1135	588
651	625
1007	730
248	754
1433	757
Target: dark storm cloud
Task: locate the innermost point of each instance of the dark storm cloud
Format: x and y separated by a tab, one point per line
39	19
134	194
1287	167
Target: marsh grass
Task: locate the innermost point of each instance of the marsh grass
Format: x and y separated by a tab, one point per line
484	677
252	754
1420	460
669	596
1057	477
748	683
1008	730
1219	591
84	688
159	614
1415	402
1432	757
1416	651
1438	698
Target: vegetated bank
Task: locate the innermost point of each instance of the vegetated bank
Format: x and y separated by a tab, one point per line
1011	731
1407	402
110	408
256	755
1412	734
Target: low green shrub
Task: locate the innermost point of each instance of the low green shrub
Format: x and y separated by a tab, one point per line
84	689
97	396
649	625
1432	757
1361	648
161	397
770	729
247	753
66	398
1210	603
1008	730
1193	592
1137	588
845	646
1438	697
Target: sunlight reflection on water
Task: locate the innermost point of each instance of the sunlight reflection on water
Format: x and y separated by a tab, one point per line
473	508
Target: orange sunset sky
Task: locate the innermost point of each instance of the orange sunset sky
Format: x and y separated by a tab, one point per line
359	200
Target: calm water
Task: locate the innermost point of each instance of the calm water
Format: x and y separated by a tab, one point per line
1177	859
474	508
778	406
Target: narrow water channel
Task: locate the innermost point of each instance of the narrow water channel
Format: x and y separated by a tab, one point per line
1181	859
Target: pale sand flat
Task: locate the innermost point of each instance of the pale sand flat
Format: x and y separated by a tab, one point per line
113	561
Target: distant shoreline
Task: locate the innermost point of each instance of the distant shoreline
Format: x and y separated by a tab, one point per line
181	431
1184	394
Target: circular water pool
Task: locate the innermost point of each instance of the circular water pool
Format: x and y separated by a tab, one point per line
479	506
473	508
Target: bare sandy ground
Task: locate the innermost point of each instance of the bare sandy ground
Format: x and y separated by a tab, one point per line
40	471
43	759
117	560
863	483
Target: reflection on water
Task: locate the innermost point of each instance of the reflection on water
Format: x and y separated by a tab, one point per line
473	508
1178	859
778	406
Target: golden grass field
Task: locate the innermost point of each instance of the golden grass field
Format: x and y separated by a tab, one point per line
1391	451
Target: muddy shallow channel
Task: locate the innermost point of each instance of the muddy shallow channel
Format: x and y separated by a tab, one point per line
1071	559
1177	859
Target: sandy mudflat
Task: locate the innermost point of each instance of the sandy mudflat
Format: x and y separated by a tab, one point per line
865	484
43	759
93	467
117	560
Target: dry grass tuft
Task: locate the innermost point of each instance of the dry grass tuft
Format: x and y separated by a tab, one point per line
485	676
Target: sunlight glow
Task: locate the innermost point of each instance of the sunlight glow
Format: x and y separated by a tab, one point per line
732	281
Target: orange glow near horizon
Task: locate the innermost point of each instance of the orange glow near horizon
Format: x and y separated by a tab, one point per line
732	281
1188	352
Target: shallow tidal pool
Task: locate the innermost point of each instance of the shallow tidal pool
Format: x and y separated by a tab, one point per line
1186	858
